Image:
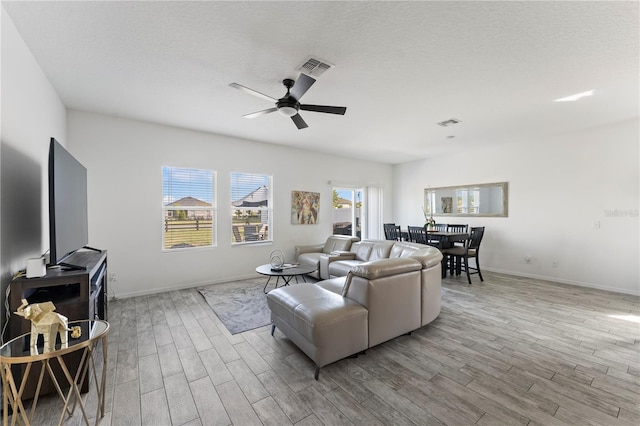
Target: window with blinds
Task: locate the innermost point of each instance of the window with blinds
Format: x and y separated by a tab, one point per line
251	207
188	208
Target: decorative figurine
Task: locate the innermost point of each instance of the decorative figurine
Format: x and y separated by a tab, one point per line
46	322
76	332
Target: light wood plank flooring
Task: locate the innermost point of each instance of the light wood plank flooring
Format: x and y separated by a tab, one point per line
509	351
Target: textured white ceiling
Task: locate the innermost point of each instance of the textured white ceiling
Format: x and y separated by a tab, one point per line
401	67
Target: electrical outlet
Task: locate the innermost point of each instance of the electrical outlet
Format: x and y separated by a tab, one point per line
554	264
113	277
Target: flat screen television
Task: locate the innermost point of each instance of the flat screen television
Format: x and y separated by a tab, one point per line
68	223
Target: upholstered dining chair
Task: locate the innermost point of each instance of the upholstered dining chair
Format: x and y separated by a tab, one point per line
392	232
459	256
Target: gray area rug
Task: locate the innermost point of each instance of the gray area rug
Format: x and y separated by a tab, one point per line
240	305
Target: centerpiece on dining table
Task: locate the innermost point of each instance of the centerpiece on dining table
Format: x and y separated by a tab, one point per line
430	222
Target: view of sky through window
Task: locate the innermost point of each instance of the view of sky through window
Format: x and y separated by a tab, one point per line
182	182
242	184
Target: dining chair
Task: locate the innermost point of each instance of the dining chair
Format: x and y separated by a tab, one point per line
392	232
459	256
417	234
458	228
436	240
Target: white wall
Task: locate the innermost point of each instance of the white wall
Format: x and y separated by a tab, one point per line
558	188
124	159
31	114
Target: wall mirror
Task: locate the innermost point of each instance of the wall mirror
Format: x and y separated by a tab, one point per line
486	199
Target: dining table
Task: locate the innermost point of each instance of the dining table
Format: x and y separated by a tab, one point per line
445	239
439	239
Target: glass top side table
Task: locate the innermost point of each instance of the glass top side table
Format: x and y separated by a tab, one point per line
19	352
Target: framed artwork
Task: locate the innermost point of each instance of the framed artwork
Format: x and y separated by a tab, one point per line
447	204
304	207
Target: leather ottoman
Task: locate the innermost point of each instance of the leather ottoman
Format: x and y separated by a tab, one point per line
325	326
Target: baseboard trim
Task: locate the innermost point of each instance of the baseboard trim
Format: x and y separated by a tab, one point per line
180	287
563	281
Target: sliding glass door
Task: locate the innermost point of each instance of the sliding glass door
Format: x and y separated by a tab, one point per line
348	211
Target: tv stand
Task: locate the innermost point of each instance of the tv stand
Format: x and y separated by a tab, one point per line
78	289
64	266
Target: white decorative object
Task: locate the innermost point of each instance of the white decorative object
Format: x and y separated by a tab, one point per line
46	322
36	267
277	260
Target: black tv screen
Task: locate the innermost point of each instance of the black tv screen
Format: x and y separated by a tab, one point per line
68	224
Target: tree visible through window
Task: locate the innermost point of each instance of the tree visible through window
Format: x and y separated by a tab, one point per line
251	207
188	208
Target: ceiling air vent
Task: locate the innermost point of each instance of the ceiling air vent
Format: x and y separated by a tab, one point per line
449	122
315	67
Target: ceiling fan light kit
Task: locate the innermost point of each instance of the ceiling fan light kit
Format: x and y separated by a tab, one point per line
289	104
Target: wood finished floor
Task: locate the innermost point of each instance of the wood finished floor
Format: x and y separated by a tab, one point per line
509	351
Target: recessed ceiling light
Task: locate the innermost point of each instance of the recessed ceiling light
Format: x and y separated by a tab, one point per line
575	97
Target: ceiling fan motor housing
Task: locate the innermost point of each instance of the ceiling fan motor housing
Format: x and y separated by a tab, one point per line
287	105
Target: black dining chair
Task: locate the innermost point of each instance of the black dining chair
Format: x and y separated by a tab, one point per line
459	256
417	234
392	232
458	228
436	240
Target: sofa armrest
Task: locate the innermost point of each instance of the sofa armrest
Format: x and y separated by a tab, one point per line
428	257
390	290
326	259
309	249
343	254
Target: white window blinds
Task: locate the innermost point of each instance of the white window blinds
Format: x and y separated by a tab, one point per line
188	208
251	207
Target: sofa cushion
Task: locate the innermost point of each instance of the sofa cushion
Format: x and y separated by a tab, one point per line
342	267
334	285
362	251
401	250
337	243
381	250
311	259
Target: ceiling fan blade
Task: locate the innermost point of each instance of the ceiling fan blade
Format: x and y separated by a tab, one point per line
259	113
299	121
324	108
301	86
253	92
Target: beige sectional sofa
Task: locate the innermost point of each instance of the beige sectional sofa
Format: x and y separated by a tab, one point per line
339	263
375	301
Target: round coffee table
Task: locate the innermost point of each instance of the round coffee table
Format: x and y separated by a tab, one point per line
287	274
